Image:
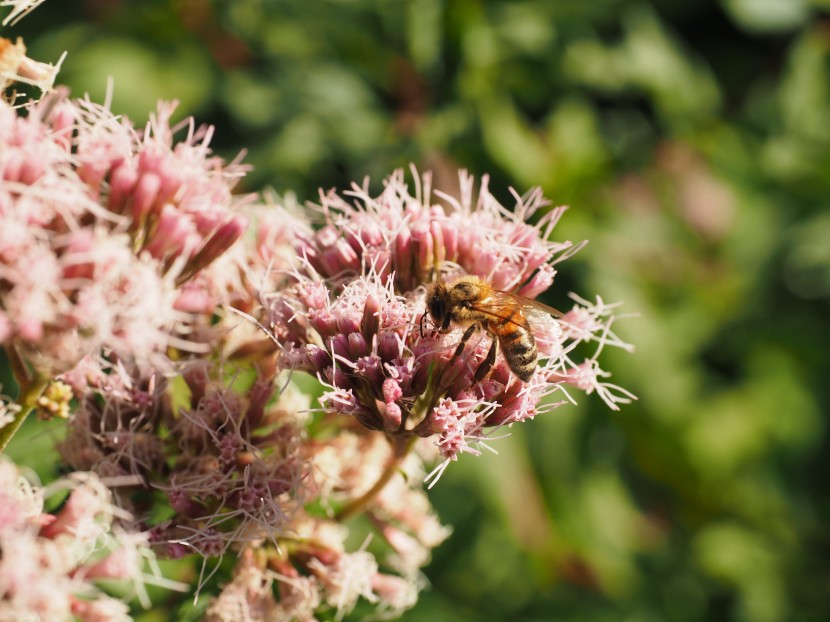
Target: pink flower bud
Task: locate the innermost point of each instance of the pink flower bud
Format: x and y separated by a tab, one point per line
319	358
357	346
323	321
145	195
422	248
392	391
403	254
392	416
221	240
340	345
336	257
173	234
388	346
371	321
347	324
123	182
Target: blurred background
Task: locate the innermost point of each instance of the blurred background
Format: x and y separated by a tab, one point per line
692	140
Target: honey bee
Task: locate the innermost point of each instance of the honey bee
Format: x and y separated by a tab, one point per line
472	302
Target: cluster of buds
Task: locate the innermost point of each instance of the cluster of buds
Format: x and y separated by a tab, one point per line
246	473
308	569
354	314
227	460
51	563
102	228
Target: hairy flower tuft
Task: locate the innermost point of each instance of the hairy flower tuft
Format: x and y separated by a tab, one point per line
101	225
354	315
50	562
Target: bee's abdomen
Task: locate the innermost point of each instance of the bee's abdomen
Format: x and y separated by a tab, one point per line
519	349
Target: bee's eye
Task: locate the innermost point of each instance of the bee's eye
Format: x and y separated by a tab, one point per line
436	308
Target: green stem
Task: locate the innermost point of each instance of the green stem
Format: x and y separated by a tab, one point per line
30	390
425	402
403	445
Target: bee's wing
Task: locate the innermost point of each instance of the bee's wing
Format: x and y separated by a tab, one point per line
533	307
540	317
546	329
501	305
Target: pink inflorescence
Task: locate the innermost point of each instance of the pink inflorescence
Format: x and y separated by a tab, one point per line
353	316
51	563
102	225
228	461
414	240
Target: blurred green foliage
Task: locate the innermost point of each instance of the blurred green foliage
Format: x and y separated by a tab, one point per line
693	141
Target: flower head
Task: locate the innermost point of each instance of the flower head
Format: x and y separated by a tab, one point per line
50	562
229	466
416	241
102	226
353	316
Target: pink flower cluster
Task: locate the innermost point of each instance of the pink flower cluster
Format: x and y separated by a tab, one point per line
121	251
312	570
51	563
241	473
354	314
409	237
102	225
227	461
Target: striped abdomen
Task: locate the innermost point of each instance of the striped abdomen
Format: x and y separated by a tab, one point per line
517	343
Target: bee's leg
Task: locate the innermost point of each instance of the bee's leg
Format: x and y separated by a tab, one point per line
487	363
464	339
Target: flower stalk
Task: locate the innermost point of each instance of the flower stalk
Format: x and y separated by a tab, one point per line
402	445
31	388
